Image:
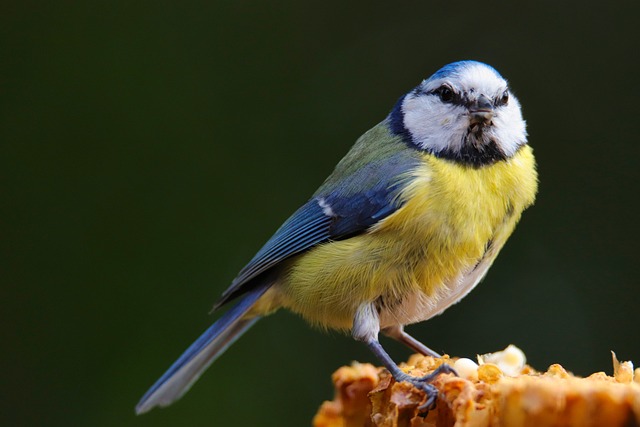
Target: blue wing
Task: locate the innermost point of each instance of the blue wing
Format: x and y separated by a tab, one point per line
362	191
351	205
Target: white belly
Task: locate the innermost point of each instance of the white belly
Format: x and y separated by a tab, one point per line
418	307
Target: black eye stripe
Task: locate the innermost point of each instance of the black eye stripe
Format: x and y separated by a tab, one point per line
447	95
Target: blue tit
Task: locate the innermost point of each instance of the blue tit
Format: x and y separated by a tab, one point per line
407	224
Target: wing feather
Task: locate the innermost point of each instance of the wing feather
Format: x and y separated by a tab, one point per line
361	192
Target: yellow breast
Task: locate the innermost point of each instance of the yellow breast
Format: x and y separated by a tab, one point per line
451	215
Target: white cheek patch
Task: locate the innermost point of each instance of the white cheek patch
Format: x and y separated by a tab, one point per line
433	125
509	129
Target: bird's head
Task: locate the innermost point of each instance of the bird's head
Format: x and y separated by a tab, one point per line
465	112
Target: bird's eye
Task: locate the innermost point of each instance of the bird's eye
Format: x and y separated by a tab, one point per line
504	98
445	93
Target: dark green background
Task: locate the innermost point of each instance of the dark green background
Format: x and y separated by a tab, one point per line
148	149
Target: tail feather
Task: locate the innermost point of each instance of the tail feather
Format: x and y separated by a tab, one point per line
196	359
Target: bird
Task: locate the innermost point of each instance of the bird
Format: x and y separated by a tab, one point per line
408	223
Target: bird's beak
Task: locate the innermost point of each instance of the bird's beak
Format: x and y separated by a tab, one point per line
481	111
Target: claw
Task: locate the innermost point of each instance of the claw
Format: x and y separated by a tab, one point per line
432	396
424	384
442	369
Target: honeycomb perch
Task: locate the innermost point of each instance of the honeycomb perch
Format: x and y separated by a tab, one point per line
500	391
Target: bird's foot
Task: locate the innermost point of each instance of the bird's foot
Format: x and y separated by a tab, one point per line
424	384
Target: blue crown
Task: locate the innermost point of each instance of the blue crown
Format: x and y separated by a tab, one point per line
457	67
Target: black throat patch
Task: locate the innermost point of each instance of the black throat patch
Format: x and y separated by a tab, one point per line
477	150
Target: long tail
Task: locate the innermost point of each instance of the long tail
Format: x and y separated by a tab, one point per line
196	359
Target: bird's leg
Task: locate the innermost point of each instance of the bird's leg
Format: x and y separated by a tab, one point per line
421	383
398	334
366	326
